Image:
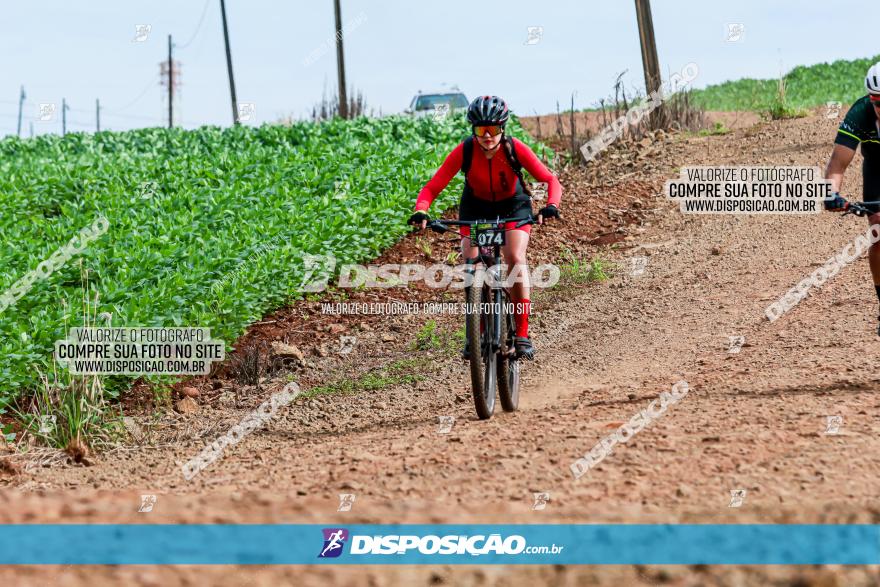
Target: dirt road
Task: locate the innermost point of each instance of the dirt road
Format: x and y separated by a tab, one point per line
756	420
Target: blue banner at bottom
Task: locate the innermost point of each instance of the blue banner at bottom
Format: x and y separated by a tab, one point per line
540	544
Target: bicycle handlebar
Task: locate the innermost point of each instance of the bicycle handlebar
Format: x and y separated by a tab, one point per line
861	208
443	225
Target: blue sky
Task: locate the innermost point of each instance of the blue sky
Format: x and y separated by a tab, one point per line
83	51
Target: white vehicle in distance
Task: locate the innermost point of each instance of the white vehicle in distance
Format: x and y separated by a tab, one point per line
426	104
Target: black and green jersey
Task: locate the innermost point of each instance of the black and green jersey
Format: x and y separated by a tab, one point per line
860	127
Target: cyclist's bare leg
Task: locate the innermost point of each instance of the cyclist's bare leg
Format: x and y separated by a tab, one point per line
467	251
514	253
874	261
874	257
874	252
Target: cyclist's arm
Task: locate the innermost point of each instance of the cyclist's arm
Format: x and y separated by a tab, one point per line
850	134
441	179
539	171
841	157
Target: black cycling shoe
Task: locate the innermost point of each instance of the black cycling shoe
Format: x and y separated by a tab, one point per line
466	352
524	348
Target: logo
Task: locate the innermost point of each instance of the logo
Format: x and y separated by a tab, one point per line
832	109
346	344
737	497
246	111
47	110
322	265
735	32
638	265
445	424
441	111
735	344
147	190
141	32
147	503
539	190
535	34
541	500
48	423
833	424
346	501
334	540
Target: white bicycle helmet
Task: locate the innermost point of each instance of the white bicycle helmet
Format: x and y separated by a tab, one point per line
872	80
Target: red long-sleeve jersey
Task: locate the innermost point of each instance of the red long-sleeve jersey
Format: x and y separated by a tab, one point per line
490	179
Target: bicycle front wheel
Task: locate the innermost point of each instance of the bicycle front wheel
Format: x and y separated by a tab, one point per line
508	365
483	359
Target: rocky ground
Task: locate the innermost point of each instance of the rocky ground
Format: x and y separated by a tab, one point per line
755	420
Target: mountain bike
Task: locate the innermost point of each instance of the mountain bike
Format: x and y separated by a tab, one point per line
489	323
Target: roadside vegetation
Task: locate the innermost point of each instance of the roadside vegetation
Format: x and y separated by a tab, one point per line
805	86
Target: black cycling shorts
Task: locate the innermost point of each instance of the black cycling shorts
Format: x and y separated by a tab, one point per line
870	181
473	208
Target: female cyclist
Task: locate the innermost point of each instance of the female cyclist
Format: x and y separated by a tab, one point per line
493	188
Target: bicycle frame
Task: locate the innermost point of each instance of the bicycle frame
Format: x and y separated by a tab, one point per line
490	261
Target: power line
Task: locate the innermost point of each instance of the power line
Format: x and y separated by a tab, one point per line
150	86
198	27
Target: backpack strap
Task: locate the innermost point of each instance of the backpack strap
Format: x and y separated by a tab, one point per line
513	161
510	151
467	154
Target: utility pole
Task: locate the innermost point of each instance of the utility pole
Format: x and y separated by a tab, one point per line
340	62
63	116
170	86
229	64
169	73
20	106
31	123
98	114
650	63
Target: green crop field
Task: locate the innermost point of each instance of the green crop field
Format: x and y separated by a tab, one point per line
187	209
805	86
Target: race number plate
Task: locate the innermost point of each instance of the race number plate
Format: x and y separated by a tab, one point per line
491	236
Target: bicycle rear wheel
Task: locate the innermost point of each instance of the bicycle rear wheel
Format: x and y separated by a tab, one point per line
482	358
508	365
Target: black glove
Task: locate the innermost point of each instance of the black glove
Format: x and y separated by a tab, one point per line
417	218
549	211
838	202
